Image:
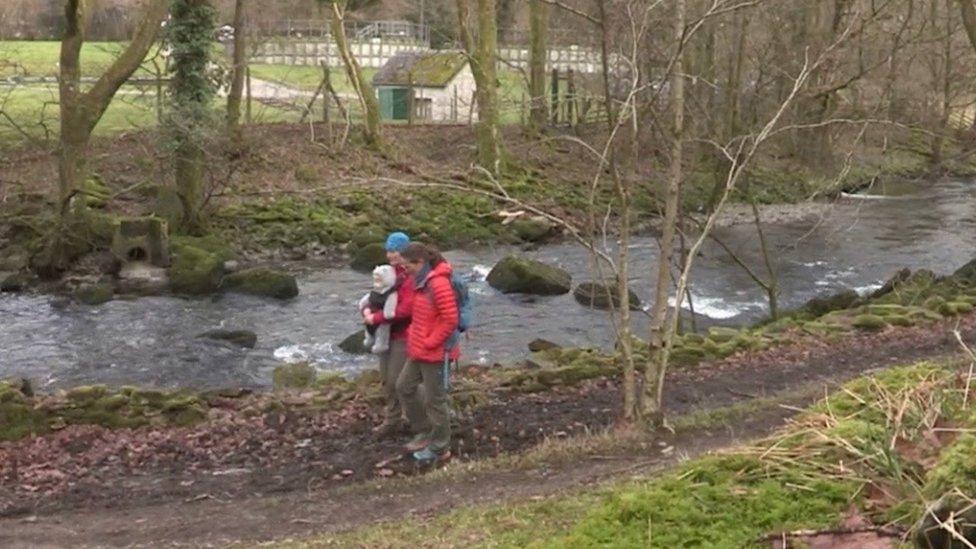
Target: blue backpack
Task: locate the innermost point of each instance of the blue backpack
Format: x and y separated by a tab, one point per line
463	298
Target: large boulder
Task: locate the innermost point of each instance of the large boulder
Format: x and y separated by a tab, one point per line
15	282
966	274
602	296
241	338
893	282
368	257
262	282
515	274
95	294
195	271
533	229
820	306
354	344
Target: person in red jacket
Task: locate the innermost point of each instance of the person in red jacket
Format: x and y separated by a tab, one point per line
393	360
431	343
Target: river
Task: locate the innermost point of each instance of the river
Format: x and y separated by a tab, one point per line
153	341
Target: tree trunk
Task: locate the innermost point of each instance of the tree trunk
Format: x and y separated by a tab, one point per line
538	55
192	91
482	56
652	409
81	111
364	90
236	92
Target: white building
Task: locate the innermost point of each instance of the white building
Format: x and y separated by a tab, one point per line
442	83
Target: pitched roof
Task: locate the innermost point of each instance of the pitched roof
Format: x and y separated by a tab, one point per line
429	69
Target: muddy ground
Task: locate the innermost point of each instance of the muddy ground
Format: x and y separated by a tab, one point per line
274	476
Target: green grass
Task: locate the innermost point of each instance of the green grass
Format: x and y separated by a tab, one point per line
805	477
306	77
29	58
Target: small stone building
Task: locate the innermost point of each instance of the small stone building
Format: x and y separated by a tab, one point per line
442	83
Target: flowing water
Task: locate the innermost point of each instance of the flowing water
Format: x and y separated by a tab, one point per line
153	341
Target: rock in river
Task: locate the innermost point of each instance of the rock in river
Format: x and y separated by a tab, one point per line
602	296
366	258
515	274
354	344
241	338
262	282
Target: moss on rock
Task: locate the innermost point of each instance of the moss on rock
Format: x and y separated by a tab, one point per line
195	271
262	282
367	257
294	376
95	294
869	322
515	274
603	296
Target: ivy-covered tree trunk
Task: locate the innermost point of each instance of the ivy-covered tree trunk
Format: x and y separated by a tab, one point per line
236	91
538	54
190	118
483	57
364	90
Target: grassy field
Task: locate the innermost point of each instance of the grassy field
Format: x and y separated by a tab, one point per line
41	58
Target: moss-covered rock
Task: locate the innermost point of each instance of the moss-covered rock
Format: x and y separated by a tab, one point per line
94	294
966	274
537	345
195	271
262	282
721	334
515	274
15	282
86	393
294	376
961	307
869	322
820	306
241	338
900	320
602	296
534	229
935	303
368	257
688	354
354	344
885	309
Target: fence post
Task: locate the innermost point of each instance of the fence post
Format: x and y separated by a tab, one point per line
571	97
454	106
554	103
247	81
410	99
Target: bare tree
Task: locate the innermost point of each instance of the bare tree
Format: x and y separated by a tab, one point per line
538	55
236	91
483	54
364	90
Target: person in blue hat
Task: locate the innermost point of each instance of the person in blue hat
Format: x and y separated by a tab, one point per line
393	359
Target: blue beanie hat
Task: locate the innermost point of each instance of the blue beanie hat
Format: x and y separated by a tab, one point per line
397	242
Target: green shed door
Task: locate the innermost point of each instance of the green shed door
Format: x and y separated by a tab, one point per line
393	103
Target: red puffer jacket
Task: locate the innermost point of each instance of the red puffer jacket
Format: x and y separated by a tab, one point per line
435	317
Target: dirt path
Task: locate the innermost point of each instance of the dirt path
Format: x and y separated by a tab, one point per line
200	505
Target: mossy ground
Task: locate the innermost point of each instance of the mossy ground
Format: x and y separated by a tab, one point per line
807	476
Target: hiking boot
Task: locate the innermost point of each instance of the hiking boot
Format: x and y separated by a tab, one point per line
427	455
417	443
